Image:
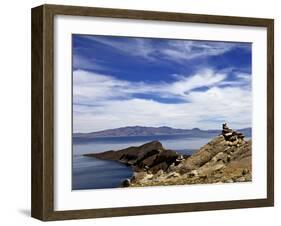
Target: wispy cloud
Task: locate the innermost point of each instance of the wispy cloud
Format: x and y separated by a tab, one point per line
132	46
119	81
205	78
174	50
90	86
103	101
187	50
81	62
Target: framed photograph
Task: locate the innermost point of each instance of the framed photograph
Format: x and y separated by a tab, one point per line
142	112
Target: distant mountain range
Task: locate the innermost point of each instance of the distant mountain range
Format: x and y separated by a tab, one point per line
154	131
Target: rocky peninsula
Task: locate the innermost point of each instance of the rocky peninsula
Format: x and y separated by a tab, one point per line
224	159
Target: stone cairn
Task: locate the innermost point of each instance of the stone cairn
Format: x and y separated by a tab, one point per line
233	138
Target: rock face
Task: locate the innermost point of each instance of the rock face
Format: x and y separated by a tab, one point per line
150	157
226	158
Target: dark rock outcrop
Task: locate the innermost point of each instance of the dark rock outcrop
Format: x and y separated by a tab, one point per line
150	157
126	183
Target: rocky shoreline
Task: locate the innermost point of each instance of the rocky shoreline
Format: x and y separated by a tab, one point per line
150	157
226	158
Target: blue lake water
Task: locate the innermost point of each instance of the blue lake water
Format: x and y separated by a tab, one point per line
92	173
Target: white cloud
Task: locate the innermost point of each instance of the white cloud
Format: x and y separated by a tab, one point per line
242	80
85	63
205	78
187	50
90	86
133	46
174	50
106	102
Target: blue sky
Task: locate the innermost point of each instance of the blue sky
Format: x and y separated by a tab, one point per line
126	81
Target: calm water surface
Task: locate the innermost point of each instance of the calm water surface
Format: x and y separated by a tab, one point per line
92	173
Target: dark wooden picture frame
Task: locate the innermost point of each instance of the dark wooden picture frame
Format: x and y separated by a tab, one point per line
42	203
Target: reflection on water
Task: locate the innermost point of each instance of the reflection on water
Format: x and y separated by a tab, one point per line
95	145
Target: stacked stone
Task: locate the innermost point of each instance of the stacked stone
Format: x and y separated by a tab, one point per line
231	136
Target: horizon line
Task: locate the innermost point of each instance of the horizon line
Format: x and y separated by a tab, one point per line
154	127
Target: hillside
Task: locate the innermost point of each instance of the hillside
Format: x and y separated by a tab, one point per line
153	131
